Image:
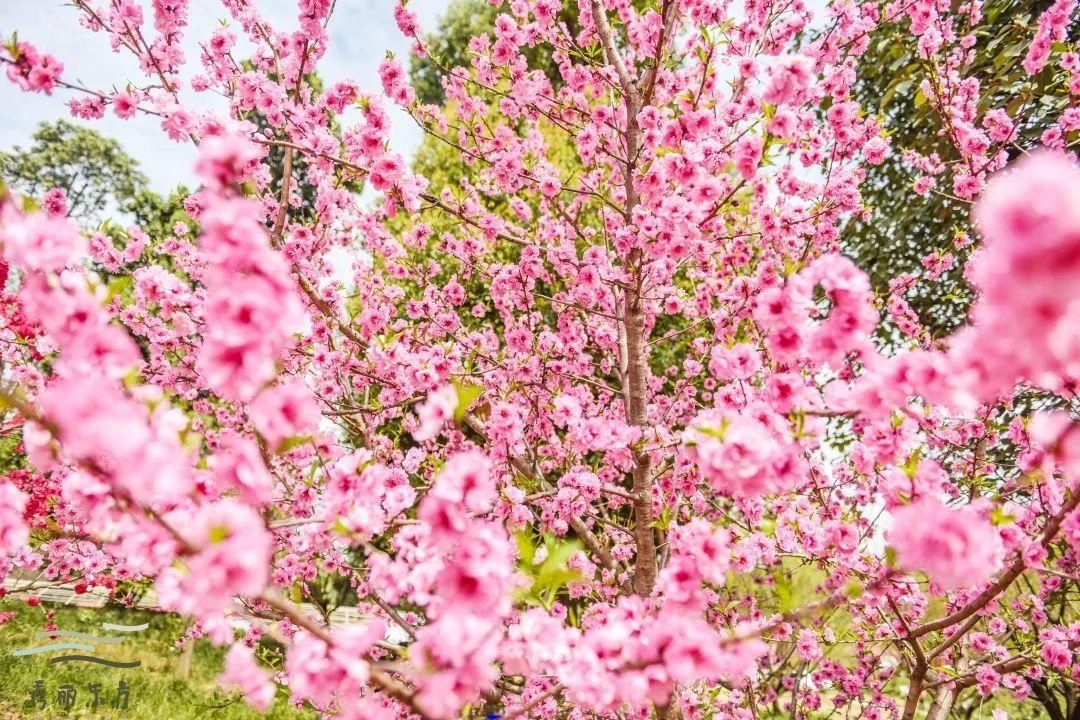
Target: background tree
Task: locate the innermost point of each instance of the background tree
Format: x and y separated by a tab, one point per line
902	227
448	46
93	171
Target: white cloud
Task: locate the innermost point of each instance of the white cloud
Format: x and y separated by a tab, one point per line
362	31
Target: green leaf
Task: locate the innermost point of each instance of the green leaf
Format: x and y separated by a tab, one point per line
785	595
549	576
133	378
467	393
911	465
120	285
526	550
890	557
1015	49
292	443
664	521
1000	517
899	86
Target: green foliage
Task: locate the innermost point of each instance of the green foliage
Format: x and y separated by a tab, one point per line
11	457
449	46
157	214
94	171
467	393
329	591
901	227
550	575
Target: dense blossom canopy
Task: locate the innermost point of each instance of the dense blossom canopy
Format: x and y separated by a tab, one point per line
601	428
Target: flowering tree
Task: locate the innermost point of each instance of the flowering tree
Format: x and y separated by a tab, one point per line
903	228
598	425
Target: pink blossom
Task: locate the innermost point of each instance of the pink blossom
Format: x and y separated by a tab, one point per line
318	672
1056	654
100	426
956	548
741	456
747	154
41	242
987	680
807	645
239	467
243	672
457	661
875	150
55	202
1052	27
467	476
435	411
475	582
1029	216
34	71
13	531
231	556
688	394
225	159
708	547
285	411
125	104
788	77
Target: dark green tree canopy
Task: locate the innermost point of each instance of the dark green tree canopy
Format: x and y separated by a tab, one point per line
93	170
448	46
898	233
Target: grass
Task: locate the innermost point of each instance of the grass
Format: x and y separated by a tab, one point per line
159	689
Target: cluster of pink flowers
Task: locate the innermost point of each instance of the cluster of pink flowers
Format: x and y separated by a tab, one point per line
243	672
40	241
13	531
33	70
434	412
956	548
229	556
746	454
786	314
285	412
604	426
318	671
1053	23
251	304
1025	322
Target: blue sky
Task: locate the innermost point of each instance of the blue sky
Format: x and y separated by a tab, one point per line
362	31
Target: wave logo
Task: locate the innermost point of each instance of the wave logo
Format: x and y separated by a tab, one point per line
84	643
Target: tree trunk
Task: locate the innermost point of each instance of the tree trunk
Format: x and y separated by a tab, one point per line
183	667
637	370
942	704
911	705
635	379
